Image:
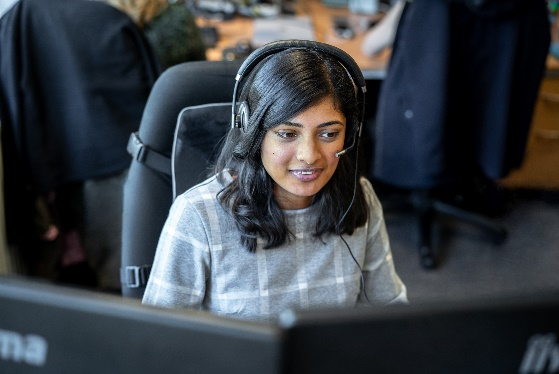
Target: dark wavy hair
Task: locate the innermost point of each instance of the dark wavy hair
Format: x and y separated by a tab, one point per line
280	87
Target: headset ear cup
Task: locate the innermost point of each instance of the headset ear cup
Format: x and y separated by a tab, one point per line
242	116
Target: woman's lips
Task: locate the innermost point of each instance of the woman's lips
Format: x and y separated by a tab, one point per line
306	175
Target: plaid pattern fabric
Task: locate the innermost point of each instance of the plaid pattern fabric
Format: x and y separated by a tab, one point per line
199	262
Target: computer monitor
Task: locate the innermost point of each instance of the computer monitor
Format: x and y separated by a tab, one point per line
498	335
53	329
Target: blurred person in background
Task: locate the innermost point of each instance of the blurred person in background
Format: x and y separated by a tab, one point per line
169	27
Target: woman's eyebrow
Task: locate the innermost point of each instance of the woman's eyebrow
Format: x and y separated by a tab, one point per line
325	124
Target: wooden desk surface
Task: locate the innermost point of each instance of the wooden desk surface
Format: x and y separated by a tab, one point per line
241	28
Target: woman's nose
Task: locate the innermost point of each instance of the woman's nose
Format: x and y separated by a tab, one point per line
308	151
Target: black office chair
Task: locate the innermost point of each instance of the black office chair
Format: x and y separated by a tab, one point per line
75	76
168	155
455	111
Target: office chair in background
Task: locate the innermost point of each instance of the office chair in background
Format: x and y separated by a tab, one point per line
162	166
74	79
454	112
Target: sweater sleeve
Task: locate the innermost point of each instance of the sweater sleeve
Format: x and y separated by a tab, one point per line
382	283
182	259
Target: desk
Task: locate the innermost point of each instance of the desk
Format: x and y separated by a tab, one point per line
241	28
539	169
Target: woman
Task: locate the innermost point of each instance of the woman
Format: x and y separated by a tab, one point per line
282	223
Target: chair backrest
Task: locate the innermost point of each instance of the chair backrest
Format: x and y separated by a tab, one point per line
198	137
149	189
75	76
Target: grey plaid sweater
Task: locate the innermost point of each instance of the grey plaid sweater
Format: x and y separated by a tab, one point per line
199	263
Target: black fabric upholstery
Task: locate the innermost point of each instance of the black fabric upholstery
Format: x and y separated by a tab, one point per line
75	76
453	105
147	193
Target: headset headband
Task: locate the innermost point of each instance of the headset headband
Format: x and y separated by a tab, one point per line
240	115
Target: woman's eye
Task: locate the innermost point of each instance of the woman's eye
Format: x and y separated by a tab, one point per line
330	134
291	135
285	134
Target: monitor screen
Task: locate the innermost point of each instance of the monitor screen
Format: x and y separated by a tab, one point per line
46	328
54	329
500	335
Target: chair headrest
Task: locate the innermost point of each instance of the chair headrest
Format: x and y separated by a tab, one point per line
198	136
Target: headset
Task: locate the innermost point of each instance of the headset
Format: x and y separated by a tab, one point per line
240	114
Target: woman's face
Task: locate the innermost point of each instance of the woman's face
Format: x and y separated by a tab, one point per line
299	155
